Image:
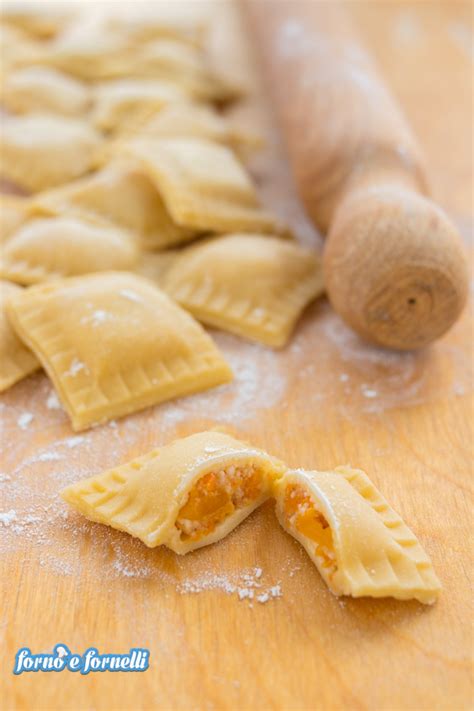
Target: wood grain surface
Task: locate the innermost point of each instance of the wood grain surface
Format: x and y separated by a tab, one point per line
327	399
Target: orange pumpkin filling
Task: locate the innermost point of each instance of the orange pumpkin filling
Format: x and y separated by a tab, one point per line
302	515
214	497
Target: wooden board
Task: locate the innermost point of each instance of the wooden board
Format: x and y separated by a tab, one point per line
327	399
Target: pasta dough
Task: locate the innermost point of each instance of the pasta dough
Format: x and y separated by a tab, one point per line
16	48
100	47
193	120
281	278
181	64
358	543
139	208
127	100
88	49
113	343
16	360
42	20
185	495
37	89
154	265
141	22
45	249
202	184
13	211
41	151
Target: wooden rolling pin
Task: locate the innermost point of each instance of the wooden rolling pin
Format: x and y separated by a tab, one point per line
394	264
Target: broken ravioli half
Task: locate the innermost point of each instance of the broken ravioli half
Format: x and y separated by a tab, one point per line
123	195
120	102
185	495
16	360
281	278
113	343
40	151
13	212
359	544
202	183
43	89
50	248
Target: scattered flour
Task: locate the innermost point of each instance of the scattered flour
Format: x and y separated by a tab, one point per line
131	295
245	592
48	457
295	41
129	569
25	420
75	368
52	403
463	37
7	517
407	29
259	383
72	442
390	378
368	392
245	585
209	581
274	591
97	318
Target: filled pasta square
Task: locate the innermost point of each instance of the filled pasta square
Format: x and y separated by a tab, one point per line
202	184
41	151
54	247
281	278
140	208
113	343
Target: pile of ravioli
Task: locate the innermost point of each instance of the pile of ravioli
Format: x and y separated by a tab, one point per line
129	218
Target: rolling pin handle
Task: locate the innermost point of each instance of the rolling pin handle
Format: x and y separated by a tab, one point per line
394	267
394	264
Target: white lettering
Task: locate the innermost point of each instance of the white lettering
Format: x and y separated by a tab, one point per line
74	662
91	660
87	662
